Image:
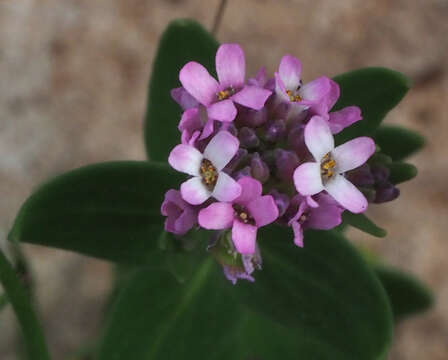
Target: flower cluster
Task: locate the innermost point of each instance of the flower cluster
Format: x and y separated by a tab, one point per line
262	151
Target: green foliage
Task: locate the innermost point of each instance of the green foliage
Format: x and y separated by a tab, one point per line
401	172
363	223
36	348
376	91
182	41
398	142
108	210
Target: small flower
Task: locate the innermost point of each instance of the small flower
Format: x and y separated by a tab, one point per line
219	97
195	125
181	216
250	263
244	215
331	163
208	178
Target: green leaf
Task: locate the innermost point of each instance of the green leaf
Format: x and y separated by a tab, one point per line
108	210
376	91
398	142
35	345
407	295
3	301
401	172
182	41
363	223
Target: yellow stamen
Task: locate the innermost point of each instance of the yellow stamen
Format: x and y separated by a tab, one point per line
208	173
225	94
327	166
293	97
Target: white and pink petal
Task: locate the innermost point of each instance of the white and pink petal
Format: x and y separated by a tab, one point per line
230	65
318	137
194	191
346	194
186	159
353	153
307	179
226	188
199	83
221	149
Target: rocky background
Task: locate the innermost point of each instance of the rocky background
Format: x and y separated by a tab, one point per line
73	78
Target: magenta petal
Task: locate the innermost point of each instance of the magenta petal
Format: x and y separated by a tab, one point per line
186	159
244	237
198	82
224	111
307	179
185	222
194	192
332	95
226	188
353	153
208	129
250	190
347	116
253	97
290	70
183	98
327	215
318	137
315	90
298	233
263	209
190	120
221	149
346	194
216	216
230	65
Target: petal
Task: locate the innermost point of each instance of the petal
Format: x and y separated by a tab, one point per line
298	233
244	237
250	190
280	88
208	129
347	116
221	149
185	222
198	82
216	216
318	137
226	188
194	192
353	153
190	120
315	90
223	110
230	65
186	158
327	215
332	95
183	98
290	70
346	194
253	97
263	209
307	179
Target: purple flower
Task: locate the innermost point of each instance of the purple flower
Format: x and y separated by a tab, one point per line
195	125
181	216
323	214
208	178
251	262
331	163
219	97
244	215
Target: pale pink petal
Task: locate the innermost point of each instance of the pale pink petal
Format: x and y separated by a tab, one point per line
250	190
353	153
223	110
332	95
208	129
318	137
347	116
226	188
263	209
183	98
253	97
194	191
298	233
307	179
216	216
230	65
198	82
186	159
280	88
346	194
190	120
221	149
315	90
244	237
290	70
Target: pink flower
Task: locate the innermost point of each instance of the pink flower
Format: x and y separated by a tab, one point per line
331	163
181	216
244	215
219	97
208	178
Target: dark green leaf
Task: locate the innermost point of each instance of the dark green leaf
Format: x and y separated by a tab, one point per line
398	142
376	91
109	210
407	295
35	345
363	223
401	172
182	41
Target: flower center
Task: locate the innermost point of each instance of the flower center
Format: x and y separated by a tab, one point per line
243	215
225	94
208	173
293	96
327	166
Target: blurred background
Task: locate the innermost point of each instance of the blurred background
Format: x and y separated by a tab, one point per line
73	79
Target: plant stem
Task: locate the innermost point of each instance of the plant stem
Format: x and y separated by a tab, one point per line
218	16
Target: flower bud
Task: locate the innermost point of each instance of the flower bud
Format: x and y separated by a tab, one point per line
281	200
259	169
276	130
361	177
386	192
181	216
245	171
251	118
286	162
248	138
